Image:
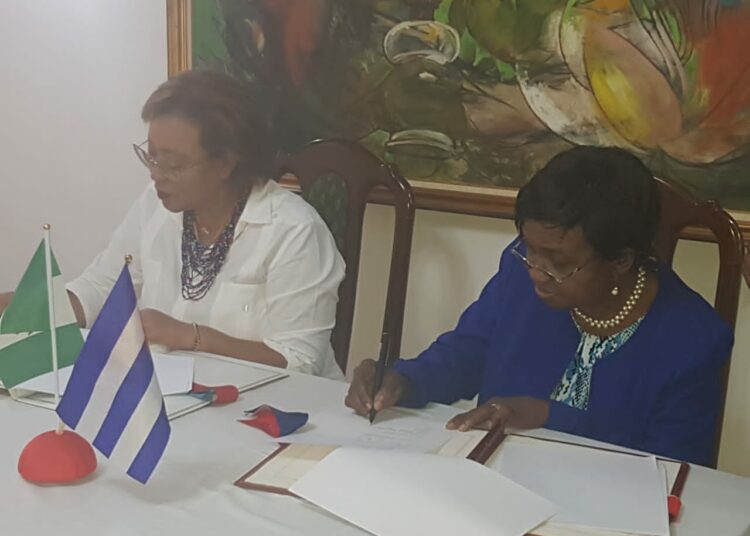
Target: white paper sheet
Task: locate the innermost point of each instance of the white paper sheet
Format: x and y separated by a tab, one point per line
593	488
393	429
174	372
397	493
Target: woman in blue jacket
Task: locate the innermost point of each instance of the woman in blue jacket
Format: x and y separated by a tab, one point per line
580	330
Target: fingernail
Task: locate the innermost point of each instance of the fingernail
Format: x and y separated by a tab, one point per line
463	427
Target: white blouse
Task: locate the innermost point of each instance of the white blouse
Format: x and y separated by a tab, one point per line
279	283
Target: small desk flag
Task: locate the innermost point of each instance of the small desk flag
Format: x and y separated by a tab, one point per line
275	422
25	338
113	398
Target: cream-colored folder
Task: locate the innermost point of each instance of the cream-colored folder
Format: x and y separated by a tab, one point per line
286	465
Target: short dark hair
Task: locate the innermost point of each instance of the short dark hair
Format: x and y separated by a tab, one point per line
231	115
609	192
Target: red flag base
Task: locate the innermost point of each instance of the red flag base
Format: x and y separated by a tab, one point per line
52	458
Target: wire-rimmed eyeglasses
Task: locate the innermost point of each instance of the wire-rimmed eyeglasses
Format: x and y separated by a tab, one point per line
559	279
169	170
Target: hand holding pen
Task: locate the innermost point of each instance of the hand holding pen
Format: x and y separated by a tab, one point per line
379	373
364	398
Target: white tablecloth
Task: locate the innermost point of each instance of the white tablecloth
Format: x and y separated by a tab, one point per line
191	491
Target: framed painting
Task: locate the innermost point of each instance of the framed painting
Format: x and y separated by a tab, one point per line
470	97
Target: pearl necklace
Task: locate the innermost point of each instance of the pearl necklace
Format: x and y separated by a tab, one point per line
640	283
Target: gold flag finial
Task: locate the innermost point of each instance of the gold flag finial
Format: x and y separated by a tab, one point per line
46	226
128	259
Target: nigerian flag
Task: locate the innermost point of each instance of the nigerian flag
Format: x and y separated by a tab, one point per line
25	340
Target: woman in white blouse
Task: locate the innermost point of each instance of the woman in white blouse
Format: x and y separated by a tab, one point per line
224	260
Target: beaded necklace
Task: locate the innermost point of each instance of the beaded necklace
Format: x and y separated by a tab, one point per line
640	283
201	264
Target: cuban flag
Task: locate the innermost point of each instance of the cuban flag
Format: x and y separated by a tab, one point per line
113	398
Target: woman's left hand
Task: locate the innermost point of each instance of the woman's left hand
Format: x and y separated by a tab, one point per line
516	412
162	329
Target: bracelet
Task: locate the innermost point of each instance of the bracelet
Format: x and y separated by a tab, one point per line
196	337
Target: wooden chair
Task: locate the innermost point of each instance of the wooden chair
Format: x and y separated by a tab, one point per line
336	177
679	210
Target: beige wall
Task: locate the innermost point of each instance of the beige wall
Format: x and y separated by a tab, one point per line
454	255
75	75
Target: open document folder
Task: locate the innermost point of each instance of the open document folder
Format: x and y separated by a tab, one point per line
394	493
176	374
598	492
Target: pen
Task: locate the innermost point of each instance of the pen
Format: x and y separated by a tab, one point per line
489	443
379	372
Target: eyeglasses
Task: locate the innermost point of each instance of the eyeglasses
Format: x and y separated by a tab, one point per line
559	279
171	171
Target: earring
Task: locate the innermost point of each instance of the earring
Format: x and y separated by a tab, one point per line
615	290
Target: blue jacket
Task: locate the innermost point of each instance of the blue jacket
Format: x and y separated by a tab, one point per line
660	392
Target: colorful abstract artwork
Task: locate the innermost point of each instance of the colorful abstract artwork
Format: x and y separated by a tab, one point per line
484	92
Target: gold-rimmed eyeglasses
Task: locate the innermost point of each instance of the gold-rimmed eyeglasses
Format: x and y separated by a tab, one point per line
167	169
559	279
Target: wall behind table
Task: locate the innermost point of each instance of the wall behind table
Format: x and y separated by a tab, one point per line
75	75
453	256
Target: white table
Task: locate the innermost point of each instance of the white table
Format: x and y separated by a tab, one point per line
191	491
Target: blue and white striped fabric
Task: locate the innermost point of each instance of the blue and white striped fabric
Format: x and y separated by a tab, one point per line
113	398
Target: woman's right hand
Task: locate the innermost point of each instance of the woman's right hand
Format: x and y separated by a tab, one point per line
5	299
359	397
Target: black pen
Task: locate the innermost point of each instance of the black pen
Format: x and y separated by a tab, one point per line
379	372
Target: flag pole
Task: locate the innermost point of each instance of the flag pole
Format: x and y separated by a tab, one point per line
56	456
52	325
